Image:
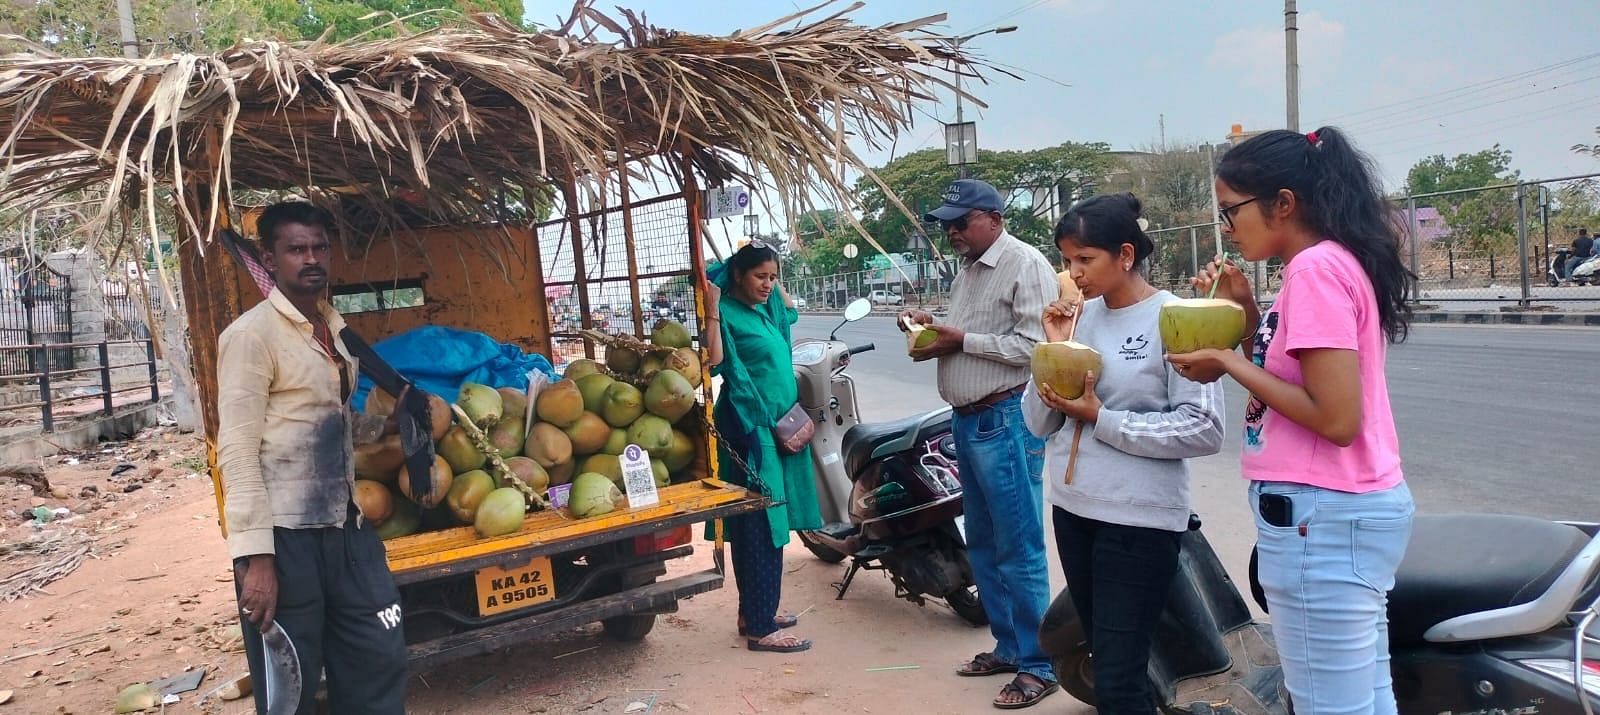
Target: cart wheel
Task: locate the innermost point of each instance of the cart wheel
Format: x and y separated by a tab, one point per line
630	628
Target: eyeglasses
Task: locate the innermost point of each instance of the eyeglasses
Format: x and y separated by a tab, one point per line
1226	215
761	243
960	223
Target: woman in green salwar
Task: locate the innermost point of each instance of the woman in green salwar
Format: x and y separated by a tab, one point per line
747	339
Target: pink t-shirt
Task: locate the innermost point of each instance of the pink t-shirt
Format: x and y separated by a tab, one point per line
1327	301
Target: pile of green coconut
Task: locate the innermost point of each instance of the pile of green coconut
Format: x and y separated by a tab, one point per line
489	470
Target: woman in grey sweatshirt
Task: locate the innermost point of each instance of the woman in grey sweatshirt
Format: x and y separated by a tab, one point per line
1119	514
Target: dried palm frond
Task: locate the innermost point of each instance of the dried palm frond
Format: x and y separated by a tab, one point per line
441	126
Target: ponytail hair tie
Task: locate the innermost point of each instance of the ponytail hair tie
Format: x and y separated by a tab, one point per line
1312	137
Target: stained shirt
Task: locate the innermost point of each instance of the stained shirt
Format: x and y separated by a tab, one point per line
998	300
286	431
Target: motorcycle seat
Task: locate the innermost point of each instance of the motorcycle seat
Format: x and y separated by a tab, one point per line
865	441
1469	563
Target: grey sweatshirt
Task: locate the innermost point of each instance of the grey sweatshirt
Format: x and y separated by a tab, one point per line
1131	467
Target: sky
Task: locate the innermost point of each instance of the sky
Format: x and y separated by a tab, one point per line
1407	79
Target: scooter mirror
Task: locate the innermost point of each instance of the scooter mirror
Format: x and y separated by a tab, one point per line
858	309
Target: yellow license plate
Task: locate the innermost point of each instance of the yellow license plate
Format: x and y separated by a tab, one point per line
502	589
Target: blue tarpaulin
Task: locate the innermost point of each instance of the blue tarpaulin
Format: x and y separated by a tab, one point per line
440	359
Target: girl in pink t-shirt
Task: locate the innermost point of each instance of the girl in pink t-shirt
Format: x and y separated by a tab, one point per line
1333	513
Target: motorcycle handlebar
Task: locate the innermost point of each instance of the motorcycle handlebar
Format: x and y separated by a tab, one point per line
861	349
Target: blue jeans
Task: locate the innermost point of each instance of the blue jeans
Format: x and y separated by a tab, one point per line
1327	578
1002	491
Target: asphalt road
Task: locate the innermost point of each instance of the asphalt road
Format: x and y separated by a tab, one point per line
1491	418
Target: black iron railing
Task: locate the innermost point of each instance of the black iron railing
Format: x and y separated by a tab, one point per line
50	378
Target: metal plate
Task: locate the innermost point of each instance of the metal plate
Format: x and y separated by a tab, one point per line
502	589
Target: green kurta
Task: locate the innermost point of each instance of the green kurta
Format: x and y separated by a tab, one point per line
758	386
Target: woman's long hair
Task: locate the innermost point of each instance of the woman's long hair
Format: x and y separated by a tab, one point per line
1338	192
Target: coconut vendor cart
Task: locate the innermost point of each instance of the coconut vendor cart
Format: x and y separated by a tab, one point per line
443	156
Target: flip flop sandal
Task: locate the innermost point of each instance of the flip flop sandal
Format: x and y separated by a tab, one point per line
800	644
1032	687
782	621
984	664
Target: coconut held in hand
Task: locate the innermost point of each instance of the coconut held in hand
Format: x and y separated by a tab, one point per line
920	336
1190	324
1063	366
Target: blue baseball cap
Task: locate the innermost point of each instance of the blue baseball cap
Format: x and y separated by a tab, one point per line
963	196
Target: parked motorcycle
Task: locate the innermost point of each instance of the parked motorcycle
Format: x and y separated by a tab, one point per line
889	492
1489	614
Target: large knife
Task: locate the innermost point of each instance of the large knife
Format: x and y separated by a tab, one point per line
282	671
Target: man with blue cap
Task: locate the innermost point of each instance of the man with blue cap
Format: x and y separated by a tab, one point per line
983	347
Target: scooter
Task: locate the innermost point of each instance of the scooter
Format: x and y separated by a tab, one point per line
1585	273
889	493
1489	615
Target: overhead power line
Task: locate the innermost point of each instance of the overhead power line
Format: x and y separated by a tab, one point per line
1410	104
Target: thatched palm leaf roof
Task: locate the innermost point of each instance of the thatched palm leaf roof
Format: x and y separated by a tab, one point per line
453	117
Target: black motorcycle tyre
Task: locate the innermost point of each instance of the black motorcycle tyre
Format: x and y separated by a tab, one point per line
822	551
968	604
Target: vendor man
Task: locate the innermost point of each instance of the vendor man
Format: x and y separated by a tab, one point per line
302	554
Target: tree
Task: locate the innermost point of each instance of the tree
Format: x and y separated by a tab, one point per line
1484	220
920	179
308	19
89	27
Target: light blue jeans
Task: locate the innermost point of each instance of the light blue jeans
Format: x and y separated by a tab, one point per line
1003	497
1327	578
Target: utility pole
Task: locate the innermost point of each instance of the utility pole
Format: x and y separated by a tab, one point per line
961	117
130	38
1163	132
1291	45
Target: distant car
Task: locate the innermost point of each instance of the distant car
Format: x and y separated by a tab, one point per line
800	303
884	297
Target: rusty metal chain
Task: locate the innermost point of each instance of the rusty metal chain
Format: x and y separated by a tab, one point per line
750	474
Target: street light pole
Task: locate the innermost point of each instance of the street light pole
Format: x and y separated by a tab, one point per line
961	117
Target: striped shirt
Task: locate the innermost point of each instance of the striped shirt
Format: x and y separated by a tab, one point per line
998	300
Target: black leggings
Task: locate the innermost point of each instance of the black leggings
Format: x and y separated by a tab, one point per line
1119	577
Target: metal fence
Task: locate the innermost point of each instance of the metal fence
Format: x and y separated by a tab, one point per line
130	312
35	309
51	378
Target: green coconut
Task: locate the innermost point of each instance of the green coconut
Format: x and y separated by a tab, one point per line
1191	324
592	387
669	396
617	442
500	513
482	404
1063	366
580	367
670	333
659	471
592	495
467	493
607	464
621	404
652	433
560	403
686	362
403	522
679	453
459	451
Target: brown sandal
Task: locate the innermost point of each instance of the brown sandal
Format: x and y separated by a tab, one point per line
1032	688
984	664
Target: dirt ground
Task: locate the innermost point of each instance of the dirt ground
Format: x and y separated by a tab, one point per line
154	599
